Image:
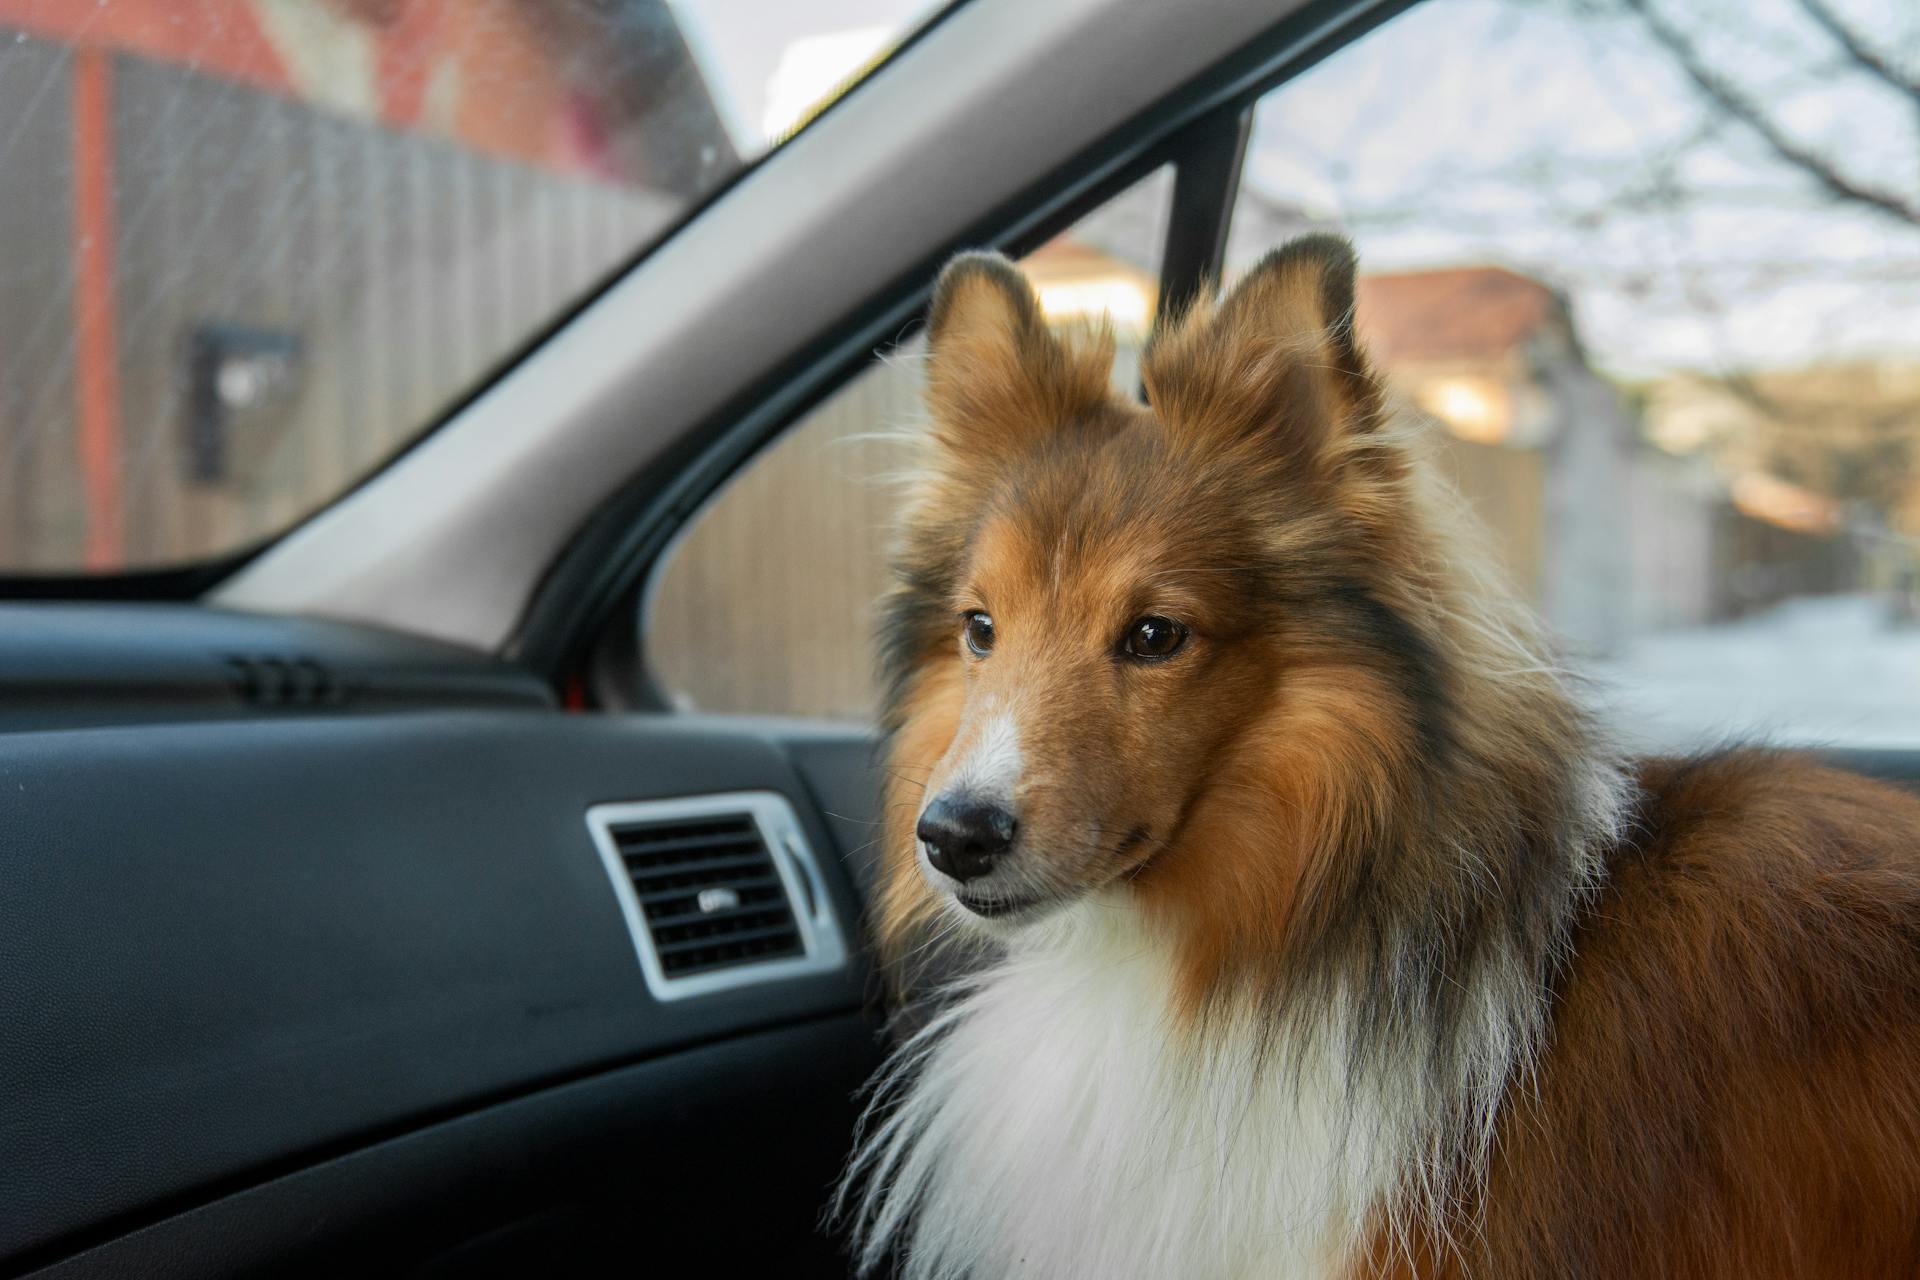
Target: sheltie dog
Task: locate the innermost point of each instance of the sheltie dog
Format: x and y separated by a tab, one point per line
1329	937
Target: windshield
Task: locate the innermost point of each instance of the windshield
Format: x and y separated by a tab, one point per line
256	246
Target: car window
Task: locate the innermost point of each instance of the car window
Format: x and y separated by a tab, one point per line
1653	269
253	249
765	604
1662	325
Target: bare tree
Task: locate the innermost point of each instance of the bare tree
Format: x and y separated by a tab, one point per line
1764	160
1728	96
1869	448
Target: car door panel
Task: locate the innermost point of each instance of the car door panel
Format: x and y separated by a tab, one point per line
236	947
718	1153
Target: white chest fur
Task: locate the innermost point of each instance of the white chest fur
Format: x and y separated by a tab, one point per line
1059	1127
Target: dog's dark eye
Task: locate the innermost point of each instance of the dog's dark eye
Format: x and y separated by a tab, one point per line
979	633
1154	637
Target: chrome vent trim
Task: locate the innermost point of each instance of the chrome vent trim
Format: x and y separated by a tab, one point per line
736	886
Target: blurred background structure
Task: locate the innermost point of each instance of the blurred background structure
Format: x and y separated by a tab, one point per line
1649	269
252	246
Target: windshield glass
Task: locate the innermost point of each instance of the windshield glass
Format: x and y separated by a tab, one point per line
256	246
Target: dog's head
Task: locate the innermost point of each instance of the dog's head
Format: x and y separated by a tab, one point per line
1102	605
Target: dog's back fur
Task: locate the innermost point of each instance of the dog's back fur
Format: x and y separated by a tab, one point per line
1731	1086
1397	968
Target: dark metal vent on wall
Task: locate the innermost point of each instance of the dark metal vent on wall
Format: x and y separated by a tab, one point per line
717	894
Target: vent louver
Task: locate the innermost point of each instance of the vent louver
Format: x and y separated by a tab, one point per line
277	682
717	891
710	892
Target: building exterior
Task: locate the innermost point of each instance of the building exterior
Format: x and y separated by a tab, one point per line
286	234
1536	440
1609	534
255	245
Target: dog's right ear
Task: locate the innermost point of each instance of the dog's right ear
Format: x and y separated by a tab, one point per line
1275	364
997	377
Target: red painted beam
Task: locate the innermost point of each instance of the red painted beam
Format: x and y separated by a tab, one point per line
96	340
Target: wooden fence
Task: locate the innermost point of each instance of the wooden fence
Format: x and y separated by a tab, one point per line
766	603
402	265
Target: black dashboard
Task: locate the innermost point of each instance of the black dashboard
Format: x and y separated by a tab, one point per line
337	978
65	666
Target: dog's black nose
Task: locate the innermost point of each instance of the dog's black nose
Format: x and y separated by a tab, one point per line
965	839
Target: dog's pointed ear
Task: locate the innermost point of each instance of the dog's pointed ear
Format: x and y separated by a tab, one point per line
1276	362
997	376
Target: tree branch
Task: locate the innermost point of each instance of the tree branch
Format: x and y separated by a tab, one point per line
1730	100
1867	57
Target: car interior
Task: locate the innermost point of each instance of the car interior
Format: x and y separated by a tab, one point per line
374	893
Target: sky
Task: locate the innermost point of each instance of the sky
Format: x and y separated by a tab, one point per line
740	42
1569	147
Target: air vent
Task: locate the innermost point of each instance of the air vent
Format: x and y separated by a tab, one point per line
718	891
710	892
279	682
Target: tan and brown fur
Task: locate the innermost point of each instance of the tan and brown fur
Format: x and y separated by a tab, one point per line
1665	1017
1730	1088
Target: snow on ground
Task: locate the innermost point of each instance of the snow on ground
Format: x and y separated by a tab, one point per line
1824	670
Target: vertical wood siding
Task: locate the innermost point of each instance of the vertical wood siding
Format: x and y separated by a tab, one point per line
42	511
766	603
406	266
